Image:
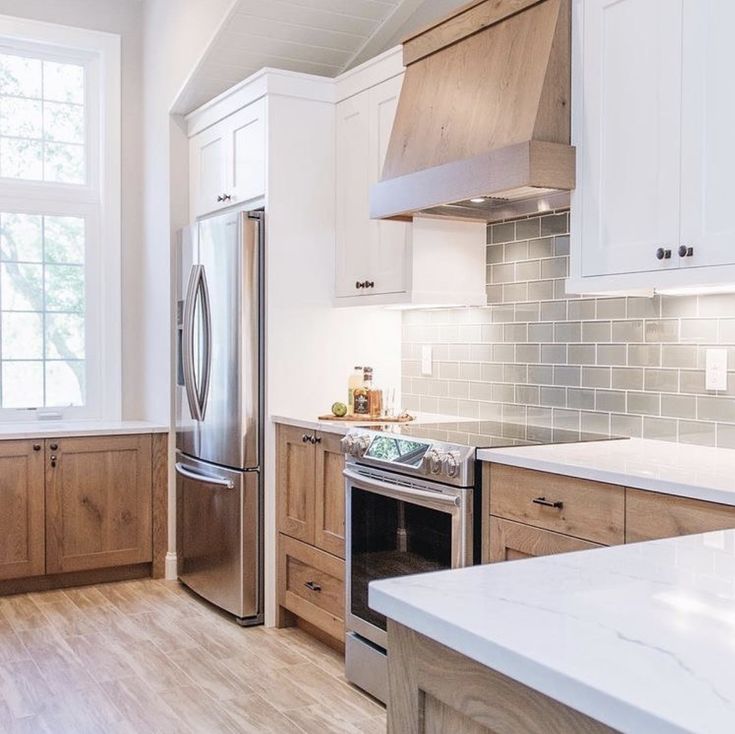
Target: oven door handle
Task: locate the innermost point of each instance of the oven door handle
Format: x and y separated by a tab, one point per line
399	493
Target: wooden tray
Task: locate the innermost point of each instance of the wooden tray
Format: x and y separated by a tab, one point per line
405	418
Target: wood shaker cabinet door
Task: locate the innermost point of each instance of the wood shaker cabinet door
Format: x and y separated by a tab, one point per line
651	515
329	518
295	482
22	516
510	541
98	502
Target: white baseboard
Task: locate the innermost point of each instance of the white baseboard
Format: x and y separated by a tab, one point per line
171	563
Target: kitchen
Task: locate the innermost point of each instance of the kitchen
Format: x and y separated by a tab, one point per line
513	217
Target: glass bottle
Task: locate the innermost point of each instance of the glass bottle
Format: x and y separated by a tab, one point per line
355	380
362	393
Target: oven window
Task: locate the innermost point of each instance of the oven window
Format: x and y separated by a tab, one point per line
393	538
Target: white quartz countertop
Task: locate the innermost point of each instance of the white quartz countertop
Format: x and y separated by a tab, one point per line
699	472
314	424
60	429
640	636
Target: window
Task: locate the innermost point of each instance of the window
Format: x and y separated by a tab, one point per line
59	222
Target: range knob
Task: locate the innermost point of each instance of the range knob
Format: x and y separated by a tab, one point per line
433	461
362	444
451	463
347	443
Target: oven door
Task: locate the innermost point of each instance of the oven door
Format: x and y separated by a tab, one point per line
397	526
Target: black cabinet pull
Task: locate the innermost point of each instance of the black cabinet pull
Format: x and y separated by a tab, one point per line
685	251
306	438
662	254
54	446
364	284
558	505
224	197
36	446
53	460
316	439
312	586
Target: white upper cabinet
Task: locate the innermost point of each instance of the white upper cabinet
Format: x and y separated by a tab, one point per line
227	161
424	262
708	133
371	255
653	124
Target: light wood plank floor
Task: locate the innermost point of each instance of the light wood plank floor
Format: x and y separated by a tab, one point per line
147	656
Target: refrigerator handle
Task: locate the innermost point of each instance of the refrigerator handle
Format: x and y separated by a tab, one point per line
207	311
188	343
208	479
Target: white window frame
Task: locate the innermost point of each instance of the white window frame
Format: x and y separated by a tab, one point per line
99	201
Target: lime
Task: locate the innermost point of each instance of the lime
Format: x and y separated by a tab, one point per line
339	409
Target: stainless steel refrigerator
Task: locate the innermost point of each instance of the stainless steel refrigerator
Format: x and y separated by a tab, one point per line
219	412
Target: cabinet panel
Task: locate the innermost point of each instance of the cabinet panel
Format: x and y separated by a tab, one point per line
330	495
22	517
708	121
630	134
295	483
208	169
510	541
651	515
98	502
246	153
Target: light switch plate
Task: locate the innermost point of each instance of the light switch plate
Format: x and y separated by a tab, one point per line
716	369
427	362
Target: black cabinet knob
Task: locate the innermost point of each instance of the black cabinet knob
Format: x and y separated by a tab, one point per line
662	254
316	439
685	251
36	446
54	446
305	438
224	197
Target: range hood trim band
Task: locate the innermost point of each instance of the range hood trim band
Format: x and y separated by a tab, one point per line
533	163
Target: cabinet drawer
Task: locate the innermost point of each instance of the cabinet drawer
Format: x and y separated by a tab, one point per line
584	509
650	515
311	585
510	541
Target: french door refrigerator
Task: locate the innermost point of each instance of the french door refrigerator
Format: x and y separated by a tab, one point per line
219	412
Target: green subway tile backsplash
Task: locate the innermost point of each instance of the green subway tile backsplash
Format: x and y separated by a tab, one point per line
630	366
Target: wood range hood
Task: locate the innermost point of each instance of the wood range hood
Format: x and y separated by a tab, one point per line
484	114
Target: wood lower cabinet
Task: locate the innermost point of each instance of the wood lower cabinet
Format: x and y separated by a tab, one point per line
98	502
82	510
311	525
22	541
591	515
510	541
311	488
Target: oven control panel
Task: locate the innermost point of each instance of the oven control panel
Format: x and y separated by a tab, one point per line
451	463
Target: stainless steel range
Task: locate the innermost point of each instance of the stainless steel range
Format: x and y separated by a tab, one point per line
413	501
410	507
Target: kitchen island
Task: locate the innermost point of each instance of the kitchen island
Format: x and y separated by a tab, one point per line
634	638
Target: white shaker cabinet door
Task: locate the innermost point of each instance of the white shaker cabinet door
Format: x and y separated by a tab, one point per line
629	134
391	241
208	169
246	154
353	228
708	134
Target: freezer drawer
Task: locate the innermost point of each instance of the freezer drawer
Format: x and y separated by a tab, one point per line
218	538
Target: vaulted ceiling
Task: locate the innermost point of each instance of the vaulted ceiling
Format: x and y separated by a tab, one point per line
322	37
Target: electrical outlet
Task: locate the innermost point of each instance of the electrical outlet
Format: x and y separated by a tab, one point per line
427	362
716	369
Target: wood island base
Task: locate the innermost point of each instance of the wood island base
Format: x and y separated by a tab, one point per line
435	690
